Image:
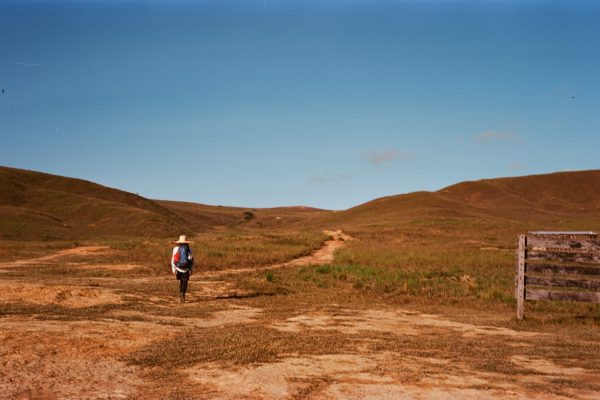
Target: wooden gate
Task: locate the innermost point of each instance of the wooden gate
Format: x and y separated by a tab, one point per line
557	266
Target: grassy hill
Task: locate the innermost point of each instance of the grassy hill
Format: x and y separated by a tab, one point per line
535	197
39	205
566	200
36	205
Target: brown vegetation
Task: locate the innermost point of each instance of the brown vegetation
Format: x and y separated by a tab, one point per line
39	206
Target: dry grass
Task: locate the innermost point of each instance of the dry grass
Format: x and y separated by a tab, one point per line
234	250
424	248
244	344
225	250
370	273
11	250
43	206
133	310
39	206
432	270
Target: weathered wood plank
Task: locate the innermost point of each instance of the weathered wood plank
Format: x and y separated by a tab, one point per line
541	294
582	257
562	282
561	269
579	234
563	245
521	253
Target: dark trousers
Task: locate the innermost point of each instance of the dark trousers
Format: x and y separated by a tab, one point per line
183	278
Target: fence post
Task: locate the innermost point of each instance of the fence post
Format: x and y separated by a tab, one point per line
520	289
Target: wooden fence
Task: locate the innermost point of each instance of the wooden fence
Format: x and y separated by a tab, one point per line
557	266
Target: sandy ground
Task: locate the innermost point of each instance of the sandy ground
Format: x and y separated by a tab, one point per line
68	296
82	353
391	321
352	376
79	251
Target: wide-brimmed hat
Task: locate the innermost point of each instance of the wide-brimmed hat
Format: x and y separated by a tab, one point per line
182	239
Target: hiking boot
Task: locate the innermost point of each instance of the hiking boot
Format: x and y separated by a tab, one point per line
182	297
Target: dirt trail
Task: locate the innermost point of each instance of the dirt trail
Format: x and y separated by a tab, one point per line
221	288
324	255
62	295
76	251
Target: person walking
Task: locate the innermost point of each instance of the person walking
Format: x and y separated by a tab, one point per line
182	264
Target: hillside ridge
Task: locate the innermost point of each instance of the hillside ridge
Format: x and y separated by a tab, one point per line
563	199
42	205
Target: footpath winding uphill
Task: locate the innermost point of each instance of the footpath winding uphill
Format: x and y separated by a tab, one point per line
113	335
324	255
219	284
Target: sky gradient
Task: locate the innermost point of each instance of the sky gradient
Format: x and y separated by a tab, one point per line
269	103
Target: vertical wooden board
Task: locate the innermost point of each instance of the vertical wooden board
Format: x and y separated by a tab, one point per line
521	248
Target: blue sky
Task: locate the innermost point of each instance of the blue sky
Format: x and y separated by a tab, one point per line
326	103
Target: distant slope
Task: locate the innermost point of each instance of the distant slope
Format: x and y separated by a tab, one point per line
202	217
563	193
36	205
45	206
566	200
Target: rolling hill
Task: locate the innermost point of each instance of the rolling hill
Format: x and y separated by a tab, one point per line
563	193
37	205
44	206
565	200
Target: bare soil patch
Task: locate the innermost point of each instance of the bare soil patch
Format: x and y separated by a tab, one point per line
546	367
108	267
66	296
394	321
355	376
70	360
76	251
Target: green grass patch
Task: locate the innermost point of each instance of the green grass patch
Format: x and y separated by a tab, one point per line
452	284
269	276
